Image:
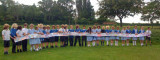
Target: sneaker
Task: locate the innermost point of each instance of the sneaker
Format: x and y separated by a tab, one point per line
20	50
46	46
17	50
51	46
37	49
5	53
43	48
56	46
40	48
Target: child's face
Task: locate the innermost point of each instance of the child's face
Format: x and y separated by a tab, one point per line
135	27
57	27
112	28
107	27
53	27
142	28
149	28
117	28
84	27
31	26
71	27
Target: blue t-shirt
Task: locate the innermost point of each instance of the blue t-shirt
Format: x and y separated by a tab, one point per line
71	30
53	31
128	31
83	30
31	31
108	31
77	30
117	31
13	32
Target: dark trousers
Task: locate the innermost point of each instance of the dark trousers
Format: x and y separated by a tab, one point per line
77	38
71	41
13	46
66	41
24	45
84	39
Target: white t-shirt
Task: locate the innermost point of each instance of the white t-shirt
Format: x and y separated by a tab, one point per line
6	34
25	30
20	33
61	29
149	32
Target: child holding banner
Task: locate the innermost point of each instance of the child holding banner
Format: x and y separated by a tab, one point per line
32	40
6	37
128	31
107	37
47	33
117	37
89	38
142	31
98	30
135	31
37	40
52	39
41	33
148	37
123	31
62	38
24	42
71	37
78	30
102	38
19	34
84	37
66	37
94	37
56	37
112	31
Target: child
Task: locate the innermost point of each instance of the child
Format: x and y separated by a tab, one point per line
89	38
84	37
103	38
41	33
13	36
78	30
62	38
66	37
94	37
19	34
47	32
31	41
52	39
107	37
56	37
24	42
37	40
112	31
128	31
123	38
135	31
98	30
117	37
141	38
6	37
148	36
71	37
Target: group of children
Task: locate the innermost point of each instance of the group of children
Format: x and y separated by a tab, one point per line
42	43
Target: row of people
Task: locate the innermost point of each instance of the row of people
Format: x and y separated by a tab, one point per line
42	43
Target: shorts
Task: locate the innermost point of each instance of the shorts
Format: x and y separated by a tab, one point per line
148	38
19	43
134	38
51	39
6	43
62	38
99	38
112	37
123	38
94	38
46	39
56	38
117	38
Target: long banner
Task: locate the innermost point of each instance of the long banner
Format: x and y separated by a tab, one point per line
33	36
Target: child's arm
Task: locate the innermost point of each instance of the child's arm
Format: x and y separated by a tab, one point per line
3	37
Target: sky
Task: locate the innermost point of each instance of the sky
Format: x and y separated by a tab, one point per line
135	19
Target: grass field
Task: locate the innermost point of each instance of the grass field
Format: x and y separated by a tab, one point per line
92	53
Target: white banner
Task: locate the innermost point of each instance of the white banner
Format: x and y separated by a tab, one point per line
32	36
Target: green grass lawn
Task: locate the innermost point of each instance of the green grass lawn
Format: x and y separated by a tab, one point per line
91	53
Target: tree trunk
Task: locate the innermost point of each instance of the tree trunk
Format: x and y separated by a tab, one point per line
120	22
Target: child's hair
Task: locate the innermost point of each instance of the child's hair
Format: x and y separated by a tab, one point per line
148	27
25	24
19	27
103	27
36	28
113	27
48	26
77	26
14	25
84	26
53	26
31	25
94	26
98	26
6	26
44	27
71	25
90	30
40	25
117	27
107	26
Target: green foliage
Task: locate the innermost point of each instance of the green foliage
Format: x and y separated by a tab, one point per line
119	8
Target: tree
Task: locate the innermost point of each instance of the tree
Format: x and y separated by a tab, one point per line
151	12
85	10
119	8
